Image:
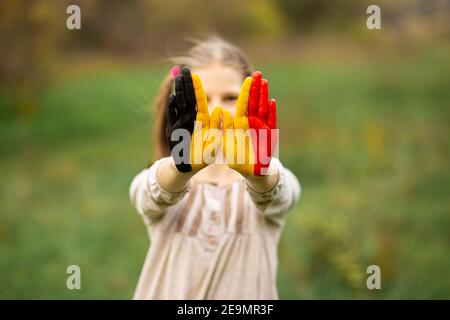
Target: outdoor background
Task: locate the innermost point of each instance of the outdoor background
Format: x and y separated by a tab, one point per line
363	117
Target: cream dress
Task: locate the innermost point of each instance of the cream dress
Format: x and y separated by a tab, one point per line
209	241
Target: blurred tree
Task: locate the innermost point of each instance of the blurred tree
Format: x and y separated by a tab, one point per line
29	34
309	15
34	34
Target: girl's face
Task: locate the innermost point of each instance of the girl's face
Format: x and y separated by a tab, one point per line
222	85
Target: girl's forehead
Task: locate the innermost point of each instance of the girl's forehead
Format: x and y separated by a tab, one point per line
218	78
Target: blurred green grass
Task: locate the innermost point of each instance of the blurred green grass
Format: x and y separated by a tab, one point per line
367	139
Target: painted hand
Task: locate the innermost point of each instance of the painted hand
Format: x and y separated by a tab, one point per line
191	143
248	148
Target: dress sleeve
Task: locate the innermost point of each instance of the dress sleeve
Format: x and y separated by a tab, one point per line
148	197
275	203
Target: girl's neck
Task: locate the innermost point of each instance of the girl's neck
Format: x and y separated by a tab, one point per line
219	174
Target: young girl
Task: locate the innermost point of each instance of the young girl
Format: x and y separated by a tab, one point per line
214	227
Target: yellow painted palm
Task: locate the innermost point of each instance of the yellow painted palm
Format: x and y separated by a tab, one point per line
236	140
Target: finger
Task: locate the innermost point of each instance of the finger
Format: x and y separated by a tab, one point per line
227	136
179	92
242	102
171	111
272	117
200	95
253	101
188	90
263	109
214	120
227	120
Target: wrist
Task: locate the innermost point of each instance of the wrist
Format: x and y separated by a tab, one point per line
182	175
170	179
262	184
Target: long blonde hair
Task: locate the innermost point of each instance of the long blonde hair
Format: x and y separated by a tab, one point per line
204	52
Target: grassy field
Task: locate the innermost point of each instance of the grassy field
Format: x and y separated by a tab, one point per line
369	141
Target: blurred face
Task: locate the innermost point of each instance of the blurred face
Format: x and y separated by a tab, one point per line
222	85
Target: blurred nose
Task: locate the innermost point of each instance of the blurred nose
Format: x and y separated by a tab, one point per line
230	108
214	103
